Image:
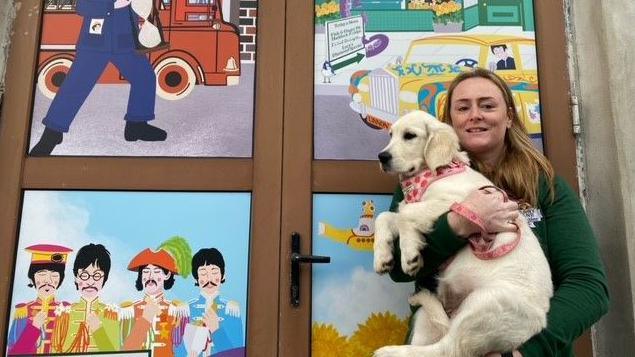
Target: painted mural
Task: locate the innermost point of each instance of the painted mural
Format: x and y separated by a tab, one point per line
354	310
134	274
145	78
377	60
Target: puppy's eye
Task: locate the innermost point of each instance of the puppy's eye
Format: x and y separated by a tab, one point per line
409	136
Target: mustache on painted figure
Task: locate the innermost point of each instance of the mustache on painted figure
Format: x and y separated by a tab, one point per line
209	283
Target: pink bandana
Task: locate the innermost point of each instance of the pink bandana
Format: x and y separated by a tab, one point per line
413	187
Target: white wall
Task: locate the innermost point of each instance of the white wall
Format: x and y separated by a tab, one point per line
604	78
7	14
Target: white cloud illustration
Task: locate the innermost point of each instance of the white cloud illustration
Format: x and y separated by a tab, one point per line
49	219
347	302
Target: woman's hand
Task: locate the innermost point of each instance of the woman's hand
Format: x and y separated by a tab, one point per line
490	206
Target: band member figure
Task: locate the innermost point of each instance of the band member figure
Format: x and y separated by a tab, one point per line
40	326
94	326
217	315
155	322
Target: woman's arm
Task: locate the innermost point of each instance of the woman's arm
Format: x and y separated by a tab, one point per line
446	240
580	288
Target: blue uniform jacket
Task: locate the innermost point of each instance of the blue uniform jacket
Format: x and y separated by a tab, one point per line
105	28
230	332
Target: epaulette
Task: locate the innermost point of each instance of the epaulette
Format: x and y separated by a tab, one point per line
111	311
192	301
21	311
126	310
62	309
178	309
232	308
126	303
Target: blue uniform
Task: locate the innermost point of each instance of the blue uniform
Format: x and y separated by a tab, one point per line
107	35
228	339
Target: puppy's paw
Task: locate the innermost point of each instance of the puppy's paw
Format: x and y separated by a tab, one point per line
411	261
420	298
392	351
383	260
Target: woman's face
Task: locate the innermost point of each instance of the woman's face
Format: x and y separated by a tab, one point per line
480	117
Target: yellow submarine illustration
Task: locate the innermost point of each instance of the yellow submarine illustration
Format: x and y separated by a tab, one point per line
359	238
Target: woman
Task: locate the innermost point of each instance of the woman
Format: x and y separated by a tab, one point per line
481	109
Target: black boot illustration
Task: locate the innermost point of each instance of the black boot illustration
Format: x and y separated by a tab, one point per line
49	140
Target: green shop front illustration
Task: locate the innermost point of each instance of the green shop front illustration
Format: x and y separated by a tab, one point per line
429	15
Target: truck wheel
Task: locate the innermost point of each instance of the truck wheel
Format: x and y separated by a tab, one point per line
373	123
51	77
175	78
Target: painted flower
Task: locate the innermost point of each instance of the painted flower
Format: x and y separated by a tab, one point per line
380	329
447	11
327	341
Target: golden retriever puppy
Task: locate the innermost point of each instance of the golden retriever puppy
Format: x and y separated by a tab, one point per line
496	289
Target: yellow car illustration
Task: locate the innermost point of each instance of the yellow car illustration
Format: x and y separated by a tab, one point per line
420	79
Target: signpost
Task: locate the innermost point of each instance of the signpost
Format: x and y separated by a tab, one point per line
344	38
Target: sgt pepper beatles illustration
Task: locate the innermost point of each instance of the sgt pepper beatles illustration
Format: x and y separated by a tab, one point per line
209	325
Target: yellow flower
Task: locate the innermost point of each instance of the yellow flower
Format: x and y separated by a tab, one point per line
380	329
328	342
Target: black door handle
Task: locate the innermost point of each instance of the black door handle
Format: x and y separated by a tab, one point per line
296	259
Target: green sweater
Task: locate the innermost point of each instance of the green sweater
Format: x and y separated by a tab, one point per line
580	288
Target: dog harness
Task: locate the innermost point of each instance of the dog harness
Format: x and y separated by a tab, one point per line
413	187
481	243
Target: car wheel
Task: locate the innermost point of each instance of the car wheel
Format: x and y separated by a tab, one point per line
51	77
175	78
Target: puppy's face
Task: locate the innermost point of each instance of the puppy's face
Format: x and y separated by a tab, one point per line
404	153
418	141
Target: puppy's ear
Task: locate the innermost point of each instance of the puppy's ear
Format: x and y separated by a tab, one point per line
442	146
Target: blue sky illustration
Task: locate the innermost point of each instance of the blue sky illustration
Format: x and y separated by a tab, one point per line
347	291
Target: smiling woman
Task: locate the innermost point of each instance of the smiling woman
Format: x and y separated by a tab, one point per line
497	141
481	109
481	118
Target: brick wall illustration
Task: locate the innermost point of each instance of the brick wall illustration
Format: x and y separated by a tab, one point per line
248	15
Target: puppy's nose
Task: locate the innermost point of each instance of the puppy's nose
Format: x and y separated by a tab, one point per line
384	157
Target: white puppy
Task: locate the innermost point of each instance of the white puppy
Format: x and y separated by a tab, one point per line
497	301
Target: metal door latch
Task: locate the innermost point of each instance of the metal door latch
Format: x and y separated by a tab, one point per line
296	259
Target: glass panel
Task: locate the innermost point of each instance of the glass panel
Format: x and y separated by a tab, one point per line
147	78
355	311
116	271
377	60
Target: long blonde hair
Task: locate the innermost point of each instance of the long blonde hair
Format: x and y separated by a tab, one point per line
519	170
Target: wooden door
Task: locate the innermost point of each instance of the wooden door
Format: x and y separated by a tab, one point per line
312	173
253	176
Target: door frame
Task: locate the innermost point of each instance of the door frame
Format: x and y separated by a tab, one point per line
259	175
303	176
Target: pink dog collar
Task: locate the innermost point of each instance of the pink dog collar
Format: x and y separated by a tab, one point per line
482	246
413	187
